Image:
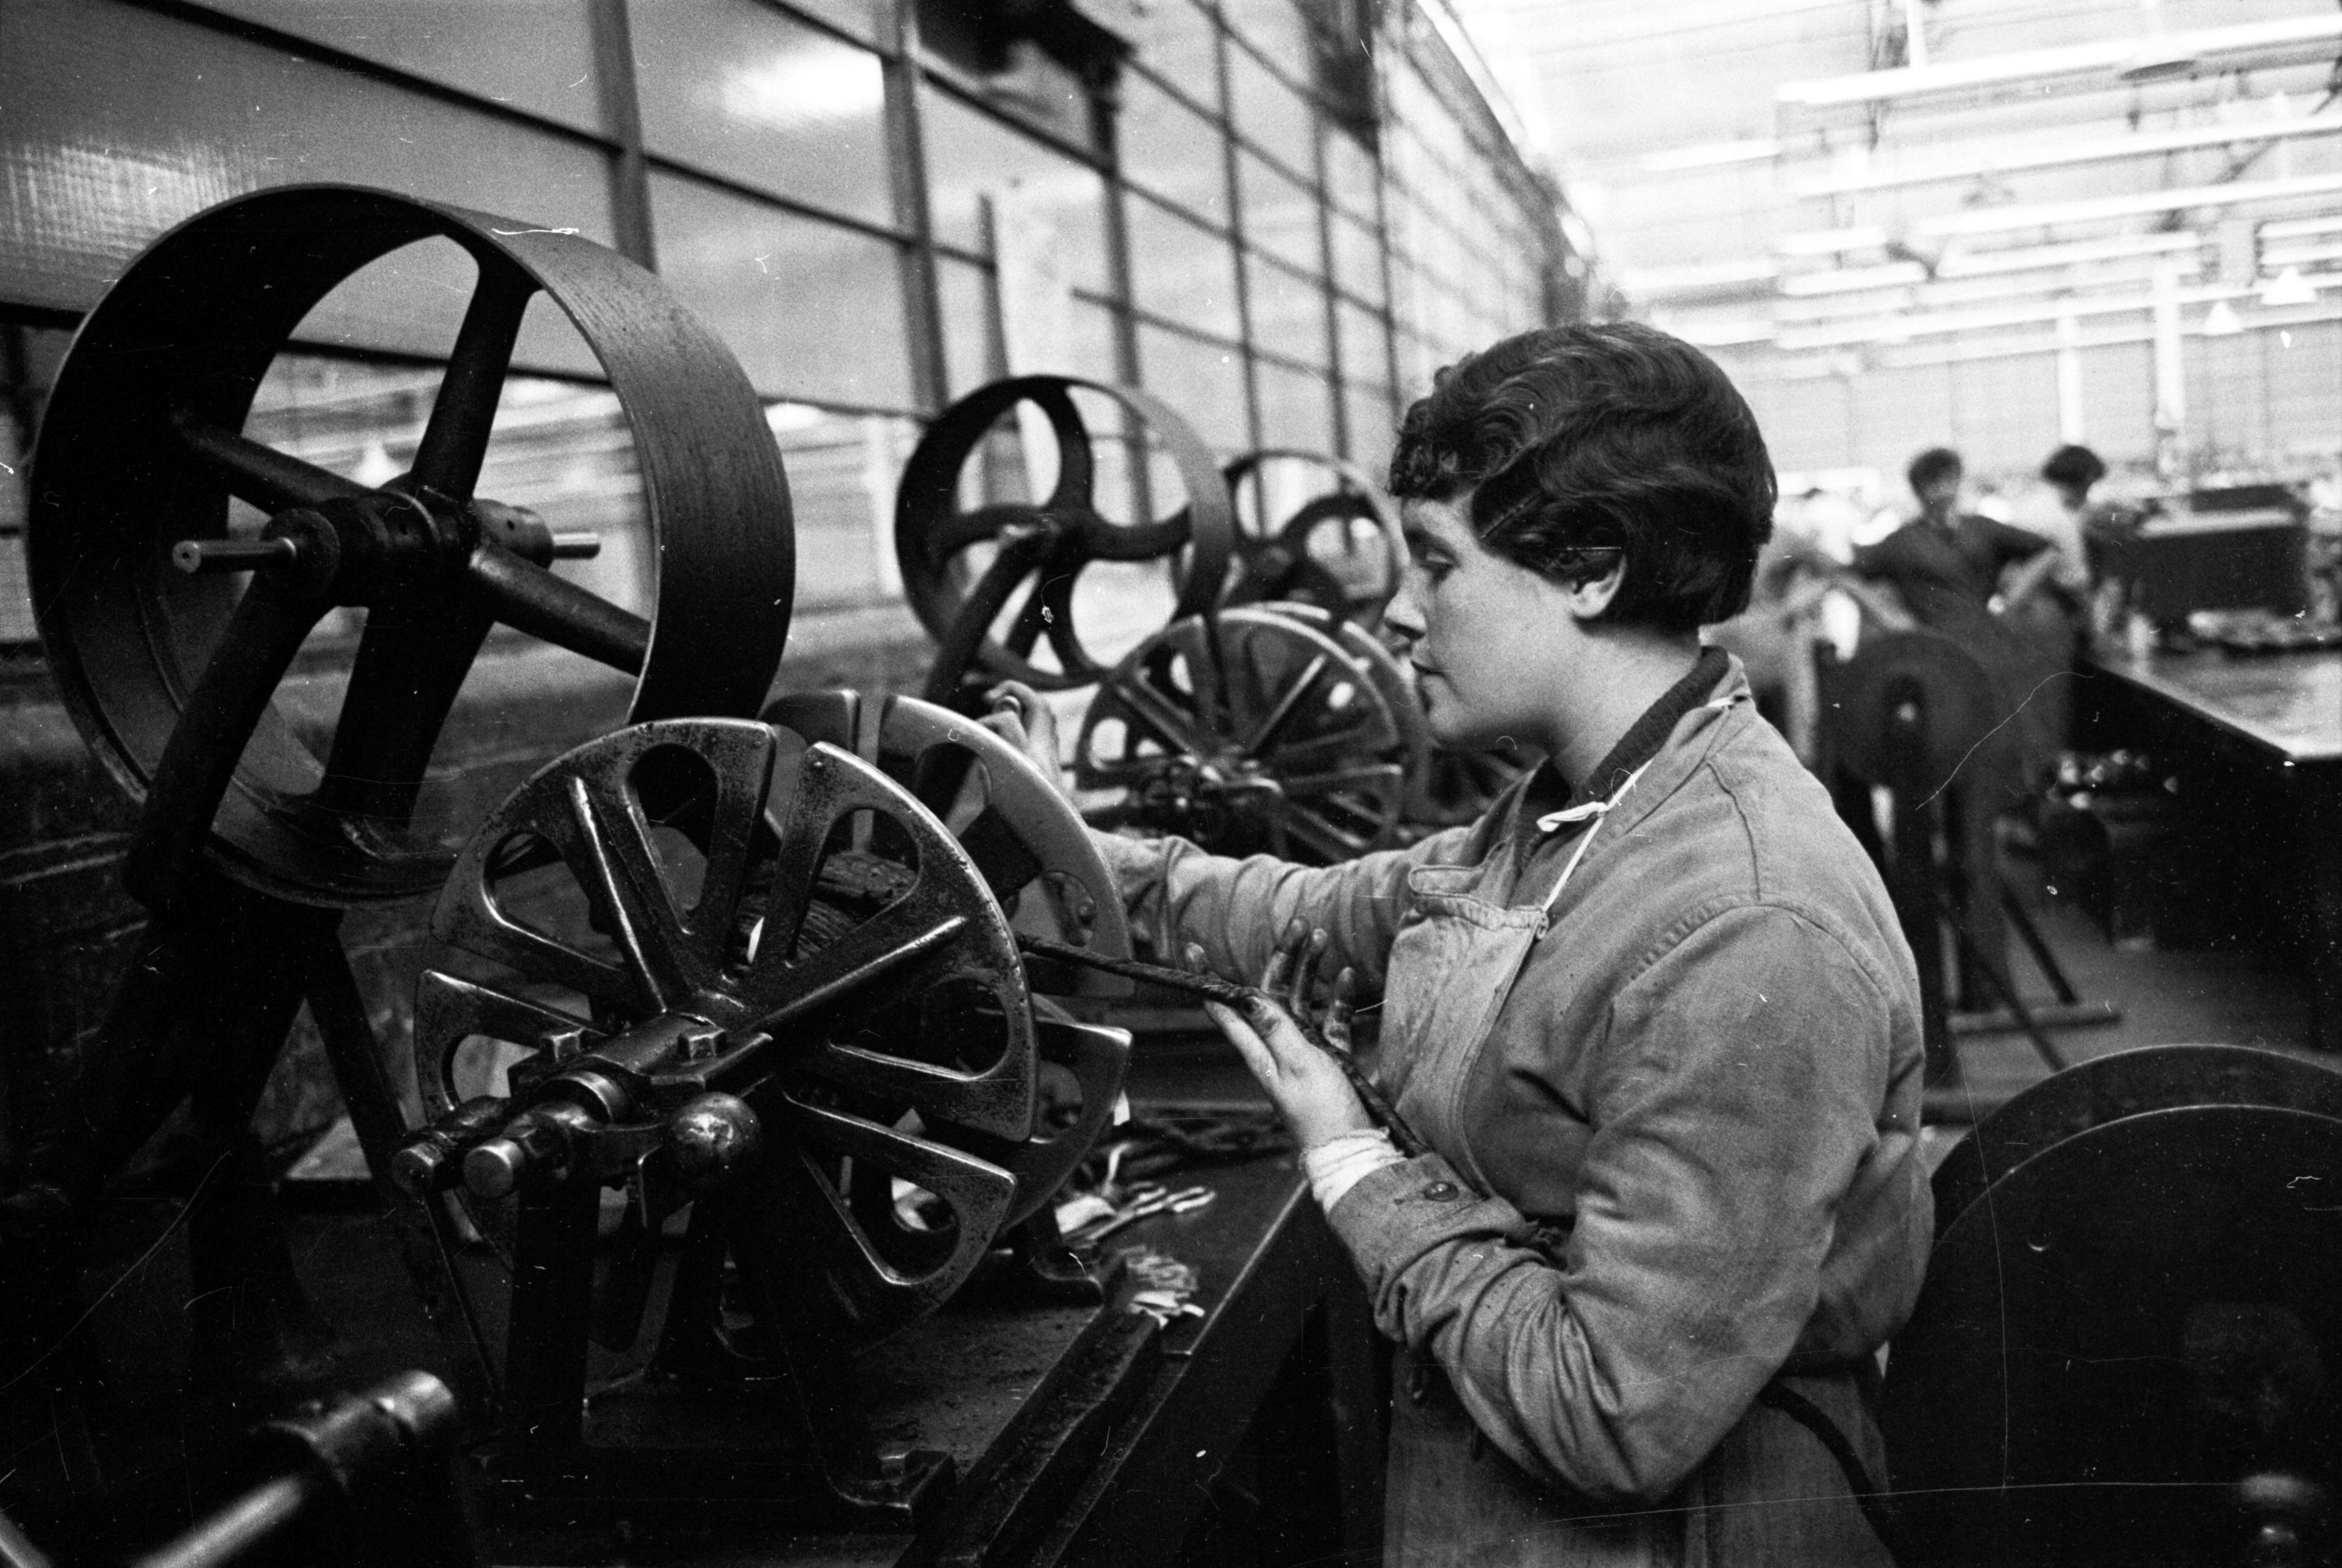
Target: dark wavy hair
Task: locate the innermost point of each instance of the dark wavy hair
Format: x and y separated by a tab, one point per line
1580	443
2073	466
1935	462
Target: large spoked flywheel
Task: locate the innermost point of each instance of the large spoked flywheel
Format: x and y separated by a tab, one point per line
170	629
962	566
1248	731
700	987
1313	529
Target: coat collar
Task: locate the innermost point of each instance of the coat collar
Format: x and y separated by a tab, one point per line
1714	682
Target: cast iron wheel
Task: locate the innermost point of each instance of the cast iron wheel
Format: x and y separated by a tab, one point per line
691	889
1035	852
1248	731
1044	542
170	669
1392	682
1288	562
2122	1083
2123	1350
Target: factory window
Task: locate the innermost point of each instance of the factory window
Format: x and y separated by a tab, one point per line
737	89
753	151
813	310
1181	272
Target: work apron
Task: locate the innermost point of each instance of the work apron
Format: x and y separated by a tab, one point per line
1451	1498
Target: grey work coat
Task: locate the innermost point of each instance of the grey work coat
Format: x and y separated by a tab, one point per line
1691	1088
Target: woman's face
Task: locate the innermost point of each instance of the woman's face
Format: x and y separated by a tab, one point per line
1488	638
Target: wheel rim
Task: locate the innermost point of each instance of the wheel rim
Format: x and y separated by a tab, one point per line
806	955
1036	855
140	450
1275	561
1248	730
1043	545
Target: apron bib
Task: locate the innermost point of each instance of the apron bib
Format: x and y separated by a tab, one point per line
1451	968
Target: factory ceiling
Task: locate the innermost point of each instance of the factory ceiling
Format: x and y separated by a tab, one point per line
1811	182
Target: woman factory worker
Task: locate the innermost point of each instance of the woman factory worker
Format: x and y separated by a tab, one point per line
1652	1013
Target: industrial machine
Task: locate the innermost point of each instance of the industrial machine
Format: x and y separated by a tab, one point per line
1265	714
746	992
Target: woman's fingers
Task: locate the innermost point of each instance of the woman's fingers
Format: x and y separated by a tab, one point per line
1305	973
1335	1024
1017	714
1288	957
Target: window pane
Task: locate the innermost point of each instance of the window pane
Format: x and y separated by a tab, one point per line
973	158
1203	381
1180	272
1174	39
146	120
535	55
1350	175
1296	409
1357	260
1365	346
741	90
1169	148
843	469
1288	313
1280	217
1272	115
814	311
972	347
1275	28
1372	426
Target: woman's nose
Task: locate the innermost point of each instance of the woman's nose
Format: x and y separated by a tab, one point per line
1402	615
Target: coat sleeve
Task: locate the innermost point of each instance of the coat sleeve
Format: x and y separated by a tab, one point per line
1751	1067
1175	892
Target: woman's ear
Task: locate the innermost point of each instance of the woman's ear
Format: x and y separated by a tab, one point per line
1588	599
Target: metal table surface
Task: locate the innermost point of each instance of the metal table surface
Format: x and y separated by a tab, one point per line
2276	719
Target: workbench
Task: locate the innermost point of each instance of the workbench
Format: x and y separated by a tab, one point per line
2263	738
1091	1435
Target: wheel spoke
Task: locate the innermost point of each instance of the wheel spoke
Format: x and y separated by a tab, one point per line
531	599
1197	638
1287	704
1105	541
1097	1057
448	1011
1076	478
815	1268
830	782
965	530
1065	632
1033	617
411	663
1322	751
621	878
455	441
469	915
834	983
1141	703
1332	842
971	624
192	776
267	478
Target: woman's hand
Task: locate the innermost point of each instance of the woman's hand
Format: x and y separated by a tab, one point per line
1019	716
1308	1086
